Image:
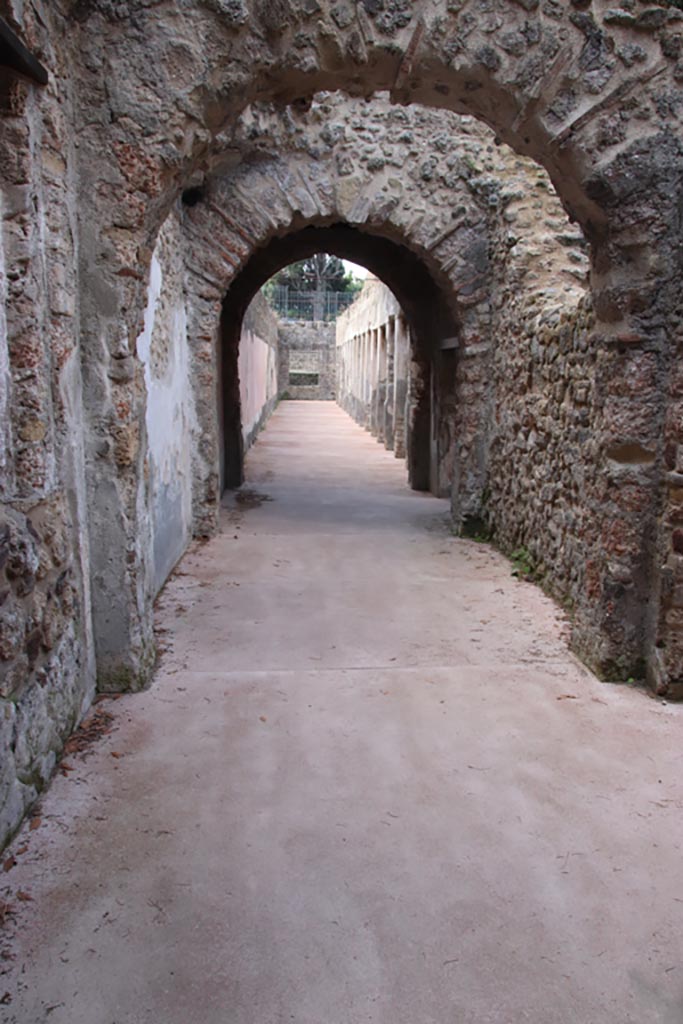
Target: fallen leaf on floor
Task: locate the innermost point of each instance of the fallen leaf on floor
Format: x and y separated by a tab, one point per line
96	725
34	824
115	753
262	718
25	897
566	696
9	863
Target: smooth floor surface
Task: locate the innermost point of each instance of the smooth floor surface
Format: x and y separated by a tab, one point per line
368	784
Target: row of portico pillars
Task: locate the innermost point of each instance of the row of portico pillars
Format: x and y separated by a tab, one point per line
374	382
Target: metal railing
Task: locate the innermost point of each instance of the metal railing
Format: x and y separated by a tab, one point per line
295	305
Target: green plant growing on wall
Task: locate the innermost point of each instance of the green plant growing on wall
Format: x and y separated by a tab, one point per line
523	566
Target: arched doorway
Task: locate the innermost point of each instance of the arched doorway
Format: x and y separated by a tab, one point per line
429	315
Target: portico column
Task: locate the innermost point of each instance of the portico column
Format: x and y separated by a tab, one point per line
400	386
365	378
388	411
381	389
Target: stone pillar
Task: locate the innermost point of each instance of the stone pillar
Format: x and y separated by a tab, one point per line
343	370
388	412
418	421
374	381
365	362
356	376
367	386
353	378
381	388
401	347
360	380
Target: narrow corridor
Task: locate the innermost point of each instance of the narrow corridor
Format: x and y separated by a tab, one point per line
368	783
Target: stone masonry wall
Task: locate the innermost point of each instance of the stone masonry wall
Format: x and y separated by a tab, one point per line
546	478
46	644
307	348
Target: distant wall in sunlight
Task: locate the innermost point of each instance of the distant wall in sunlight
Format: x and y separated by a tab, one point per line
257	367
307	359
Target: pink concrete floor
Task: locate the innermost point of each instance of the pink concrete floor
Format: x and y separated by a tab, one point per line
368	784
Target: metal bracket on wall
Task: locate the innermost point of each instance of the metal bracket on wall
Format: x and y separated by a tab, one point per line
14	55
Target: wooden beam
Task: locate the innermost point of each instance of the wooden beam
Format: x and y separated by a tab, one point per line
14	55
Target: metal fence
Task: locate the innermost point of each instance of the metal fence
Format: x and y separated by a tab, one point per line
293	305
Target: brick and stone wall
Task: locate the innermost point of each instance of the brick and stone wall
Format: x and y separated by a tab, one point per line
307	366
47	674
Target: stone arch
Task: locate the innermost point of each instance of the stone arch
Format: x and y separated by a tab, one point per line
424	305
550	79
443	218
592	96
251	211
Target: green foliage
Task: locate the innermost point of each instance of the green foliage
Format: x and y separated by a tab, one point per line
318	273
523	566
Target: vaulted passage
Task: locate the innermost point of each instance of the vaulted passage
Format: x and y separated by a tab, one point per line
540	285
427	323
368	784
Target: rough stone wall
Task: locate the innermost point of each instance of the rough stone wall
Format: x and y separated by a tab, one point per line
542	465
543	470
668	625
257	368
307	348
46	645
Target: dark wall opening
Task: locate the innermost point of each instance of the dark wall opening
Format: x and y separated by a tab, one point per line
424	305
231	446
